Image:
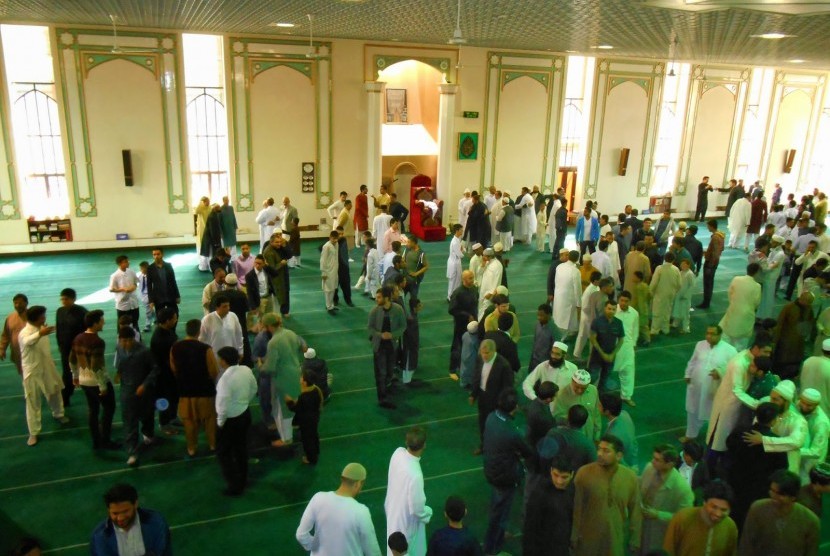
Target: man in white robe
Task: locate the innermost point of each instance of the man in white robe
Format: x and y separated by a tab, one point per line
555	370
267	219
380	224
491	197
567	296
464	205
614	256
731	394
406	509
814	450
490	280
738	221
476	263
454	267
738	323
769	277
496	215
40	376
601	260
624	362
329	269
528	212
711	354
815	373
557	204
586	318
221	327
790	427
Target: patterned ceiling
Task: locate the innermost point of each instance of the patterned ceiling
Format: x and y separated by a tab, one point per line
716	31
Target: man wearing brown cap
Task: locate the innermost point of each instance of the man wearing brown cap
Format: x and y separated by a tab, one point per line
341	524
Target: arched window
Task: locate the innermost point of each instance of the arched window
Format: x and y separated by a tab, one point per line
207	132
39	150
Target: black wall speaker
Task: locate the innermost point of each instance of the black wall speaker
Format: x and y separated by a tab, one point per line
623	161
127	158
789	158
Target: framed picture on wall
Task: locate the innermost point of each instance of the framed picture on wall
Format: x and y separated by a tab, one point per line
467	146
396	106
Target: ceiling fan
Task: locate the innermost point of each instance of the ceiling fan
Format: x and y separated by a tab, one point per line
123	49
313	52
457	37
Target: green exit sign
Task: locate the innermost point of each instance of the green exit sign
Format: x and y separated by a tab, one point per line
471	114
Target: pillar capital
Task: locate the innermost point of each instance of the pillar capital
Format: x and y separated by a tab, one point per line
448	88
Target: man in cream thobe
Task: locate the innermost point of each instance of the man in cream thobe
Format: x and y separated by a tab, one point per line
267	220
624	363
814	450
476	263
406	509
528	208
729	397
567	296
711	354
769	277
744	297
490	280
39	373
557	204
329	268
454	267
790	427
664	287
815	373
738	221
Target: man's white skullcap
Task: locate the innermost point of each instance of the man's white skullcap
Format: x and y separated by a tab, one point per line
310	353
472	327
561	345
777	239
582	377
811	395
477	246
786	389
498	247
825	345
489	252
502	290
467	190
587	257
564	250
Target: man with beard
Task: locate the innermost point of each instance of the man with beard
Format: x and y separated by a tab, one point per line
790	427
130	526
814	450
477	229
555	370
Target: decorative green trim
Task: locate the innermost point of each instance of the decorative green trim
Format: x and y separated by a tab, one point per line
381	62
174	199
258	66
542	77
640	82
89	56
148	62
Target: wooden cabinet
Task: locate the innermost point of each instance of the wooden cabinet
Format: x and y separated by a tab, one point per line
49	231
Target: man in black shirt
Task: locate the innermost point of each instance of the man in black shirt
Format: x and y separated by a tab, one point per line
69	322
162	290
703	189
164	336
549	512
398	211
344	280
694	247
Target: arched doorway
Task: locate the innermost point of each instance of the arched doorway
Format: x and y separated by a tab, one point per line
410	125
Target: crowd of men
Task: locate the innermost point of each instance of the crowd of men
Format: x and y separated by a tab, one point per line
759	381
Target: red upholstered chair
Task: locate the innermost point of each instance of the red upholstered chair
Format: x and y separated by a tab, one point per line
425	211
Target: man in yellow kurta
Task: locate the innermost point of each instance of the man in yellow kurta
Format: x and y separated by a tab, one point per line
607	504
706	530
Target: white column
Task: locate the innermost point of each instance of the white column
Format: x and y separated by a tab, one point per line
374	139
446	142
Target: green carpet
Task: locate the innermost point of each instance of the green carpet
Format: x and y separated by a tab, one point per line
53	491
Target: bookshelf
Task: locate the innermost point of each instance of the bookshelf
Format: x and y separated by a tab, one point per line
49	231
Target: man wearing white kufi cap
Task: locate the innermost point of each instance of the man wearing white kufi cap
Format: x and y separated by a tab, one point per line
555	370
580	392
790	427
770	271
815	373
464	205
814	450
490	280
476	263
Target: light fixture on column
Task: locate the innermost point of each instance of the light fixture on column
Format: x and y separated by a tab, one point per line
672	55
312	53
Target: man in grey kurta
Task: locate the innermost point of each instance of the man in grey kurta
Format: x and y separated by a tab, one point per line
282	362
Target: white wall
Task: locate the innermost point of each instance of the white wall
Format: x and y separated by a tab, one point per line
521	134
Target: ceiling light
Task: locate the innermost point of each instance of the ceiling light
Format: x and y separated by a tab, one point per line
796	61
771	36
282	24
602	47
570	51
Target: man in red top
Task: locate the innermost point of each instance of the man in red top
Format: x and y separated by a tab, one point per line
361	214
756	219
